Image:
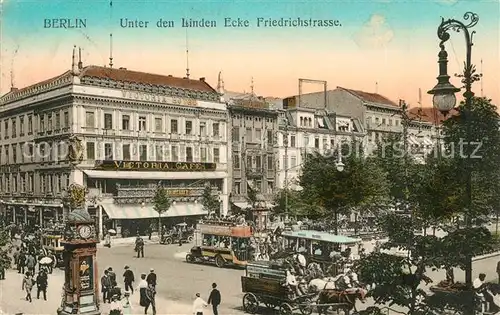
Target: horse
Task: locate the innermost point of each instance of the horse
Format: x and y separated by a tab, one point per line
340	297
316	285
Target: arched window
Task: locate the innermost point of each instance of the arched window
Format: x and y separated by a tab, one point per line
301	121
310	122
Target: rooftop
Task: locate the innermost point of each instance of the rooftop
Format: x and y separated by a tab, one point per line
370	97
429	114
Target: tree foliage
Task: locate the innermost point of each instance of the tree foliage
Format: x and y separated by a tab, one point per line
161	203
362	182
291	202
210	202
5	244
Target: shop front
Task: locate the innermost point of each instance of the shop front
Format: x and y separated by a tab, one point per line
126	189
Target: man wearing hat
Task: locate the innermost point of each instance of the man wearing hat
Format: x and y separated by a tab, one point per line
151	279
128	279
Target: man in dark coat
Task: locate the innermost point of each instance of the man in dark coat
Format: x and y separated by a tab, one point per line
128	279
151	279
106	287
139	247
41	284
112	277
214	299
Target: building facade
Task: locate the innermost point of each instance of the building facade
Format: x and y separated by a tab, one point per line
121	133
378	115
307	130
253	137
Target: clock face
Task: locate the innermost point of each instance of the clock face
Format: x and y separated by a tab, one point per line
85	231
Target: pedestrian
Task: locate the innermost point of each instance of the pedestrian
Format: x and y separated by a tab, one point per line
150	231
27	285
150	296
214	299
142	287
128	279
139	247
112	277
107	240
151	279
498	271
179	235
198	305
105	286
21	263
41	284
31	263
115	308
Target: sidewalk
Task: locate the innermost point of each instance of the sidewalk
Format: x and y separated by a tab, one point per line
12	298
124	241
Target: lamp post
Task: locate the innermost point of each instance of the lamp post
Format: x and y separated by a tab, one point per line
444	100
340	168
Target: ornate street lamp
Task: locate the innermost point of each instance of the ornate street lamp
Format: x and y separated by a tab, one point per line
444	100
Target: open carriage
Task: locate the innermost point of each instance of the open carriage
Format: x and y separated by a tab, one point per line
265	283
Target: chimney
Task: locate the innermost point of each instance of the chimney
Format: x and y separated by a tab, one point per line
74	63
202	79
122	68
80	64
13	89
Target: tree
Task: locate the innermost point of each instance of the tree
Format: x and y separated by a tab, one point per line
293	203
210	203
161	204
361	183
5	244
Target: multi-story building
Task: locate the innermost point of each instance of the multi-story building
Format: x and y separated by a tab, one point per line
378	114
254	128
126	132
307	130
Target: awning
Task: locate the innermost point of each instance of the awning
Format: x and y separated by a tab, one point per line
153	175
413	141
185	209
242	205
124	211
117	211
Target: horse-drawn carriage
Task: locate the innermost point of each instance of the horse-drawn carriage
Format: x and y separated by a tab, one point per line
265	283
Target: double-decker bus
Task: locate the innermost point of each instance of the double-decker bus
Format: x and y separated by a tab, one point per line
221	242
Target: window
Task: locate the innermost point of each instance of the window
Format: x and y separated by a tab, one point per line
309	122
216	155
21	126
142	123
90	151
332	143
108	151
189	127
160	156
258	162
58	121
390	122
249	135
203	153
292	141
175	153
316	143
258	135
270	187
215	128
237	188
236	134
108	121
143	152
126	152
6	123
270	162
14	154
306	141
42	122
66	119
14	131
49	120
302	121
270	138
189	154
249	164
30	182
158	124
293	161
7	155
125	122
325	143
203	129
236	161
285	162
383	121
173	126
30	124
89	120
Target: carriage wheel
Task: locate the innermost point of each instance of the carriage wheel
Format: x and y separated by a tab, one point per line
219	261
286	309
190	239
168	240
190	258
305	306
250	303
